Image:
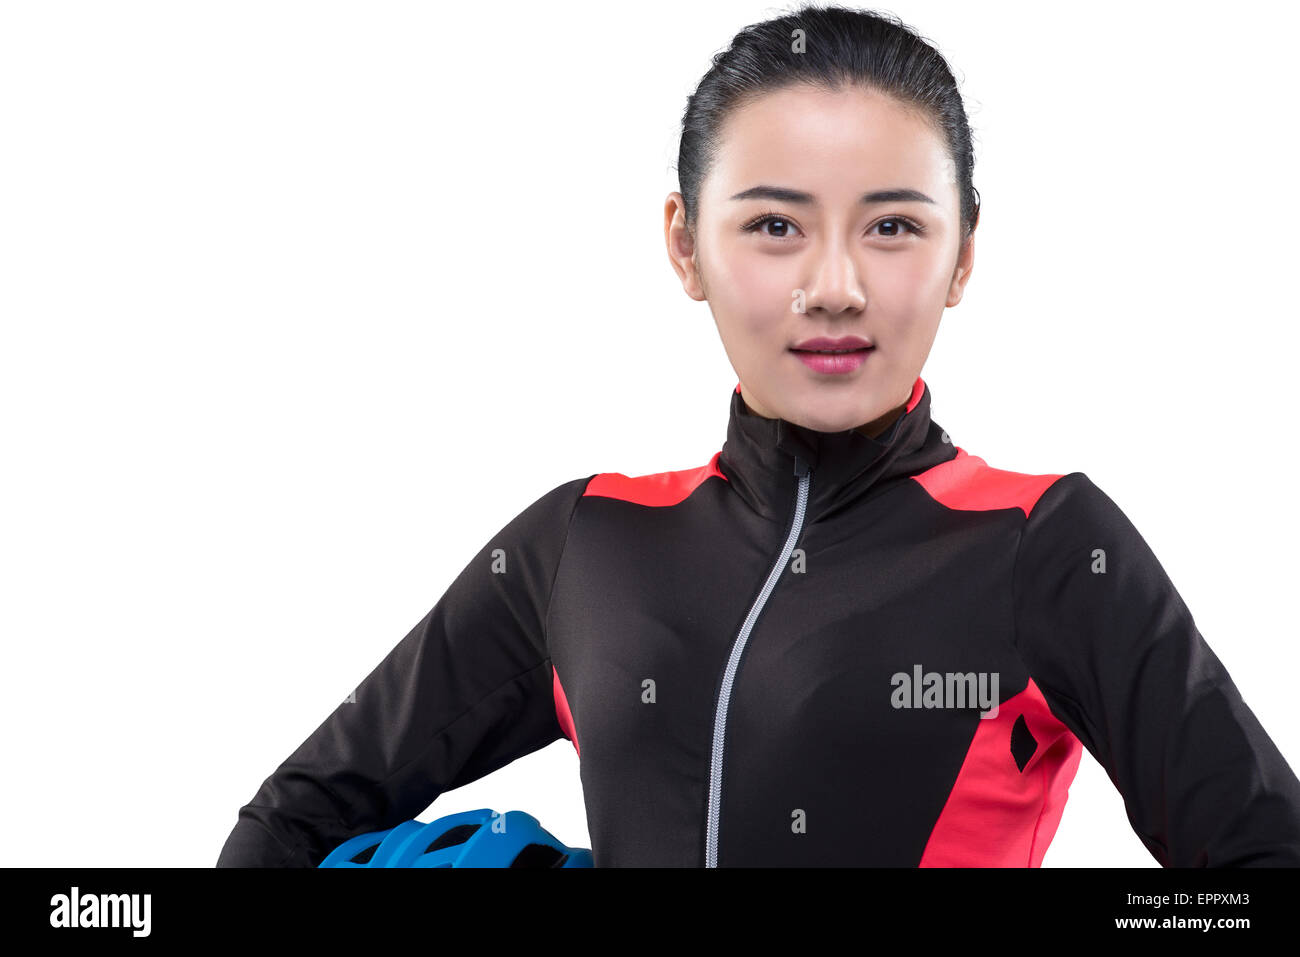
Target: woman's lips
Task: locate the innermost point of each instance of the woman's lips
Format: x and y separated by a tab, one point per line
834	363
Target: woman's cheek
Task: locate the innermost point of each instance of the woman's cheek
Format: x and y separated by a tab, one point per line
768	286
755	289
904	291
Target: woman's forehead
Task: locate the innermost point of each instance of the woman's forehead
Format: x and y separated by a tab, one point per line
833	145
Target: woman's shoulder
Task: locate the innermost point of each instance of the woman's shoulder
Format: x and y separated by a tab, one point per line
968	482
655	488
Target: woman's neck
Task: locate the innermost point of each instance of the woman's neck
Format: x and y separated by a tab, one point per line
877	427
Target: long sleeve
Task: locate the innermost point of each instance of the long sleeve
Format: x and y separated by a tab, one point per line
1121	663
466	692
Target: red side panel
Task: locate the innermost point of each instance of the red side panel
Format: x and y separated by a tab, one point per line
967	482
562	711
661	488
998	814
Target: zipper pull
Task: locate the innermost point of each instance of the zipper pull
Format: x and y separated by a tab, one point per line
800	467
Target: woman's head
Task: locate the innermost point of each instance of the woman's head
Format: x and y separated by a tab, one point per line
825	171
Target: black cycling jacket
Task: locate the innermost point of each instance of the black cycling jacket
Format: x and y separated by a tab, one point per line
816	649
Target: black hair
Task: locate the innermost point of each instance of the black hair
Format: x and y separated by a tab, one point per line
841	47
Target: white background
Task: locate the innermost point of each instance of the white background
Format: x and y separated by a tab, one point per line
303	301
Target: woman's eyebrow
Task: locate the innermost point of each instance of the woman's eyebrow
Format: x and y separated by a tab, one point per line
784	195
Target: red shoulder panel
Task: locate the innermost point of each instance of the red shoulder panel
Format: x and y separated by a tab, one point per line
661	488
968	483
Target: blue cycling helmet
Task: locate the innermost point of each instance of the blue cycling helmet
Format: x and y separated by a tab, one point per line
481	838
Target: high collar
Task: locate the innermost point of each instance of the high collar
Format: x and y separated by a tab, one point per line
761	455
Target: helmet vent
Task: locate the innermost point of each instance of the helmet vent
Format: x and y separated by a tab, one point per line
539	855
365	854
452	836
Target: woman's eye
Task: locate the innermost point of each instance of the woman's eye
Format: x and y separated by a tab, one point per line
895	225
780	228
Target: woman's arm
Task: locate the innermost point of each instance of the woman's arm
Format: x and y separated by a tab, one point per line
1118	657
466	692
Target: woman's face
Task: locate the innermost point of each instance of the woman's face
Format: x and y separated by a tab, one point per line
787	249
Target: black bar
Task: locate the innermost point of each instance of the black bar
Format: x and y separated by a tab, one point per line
330	907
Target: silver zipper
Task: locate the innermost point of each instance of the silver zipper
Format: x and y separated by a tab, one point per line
733	662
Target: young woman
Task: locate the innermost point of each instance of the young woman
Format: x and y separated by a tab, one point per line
843	640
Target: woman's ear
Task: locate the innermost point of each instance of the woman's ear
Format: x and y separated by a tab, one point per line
682	250
962	270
